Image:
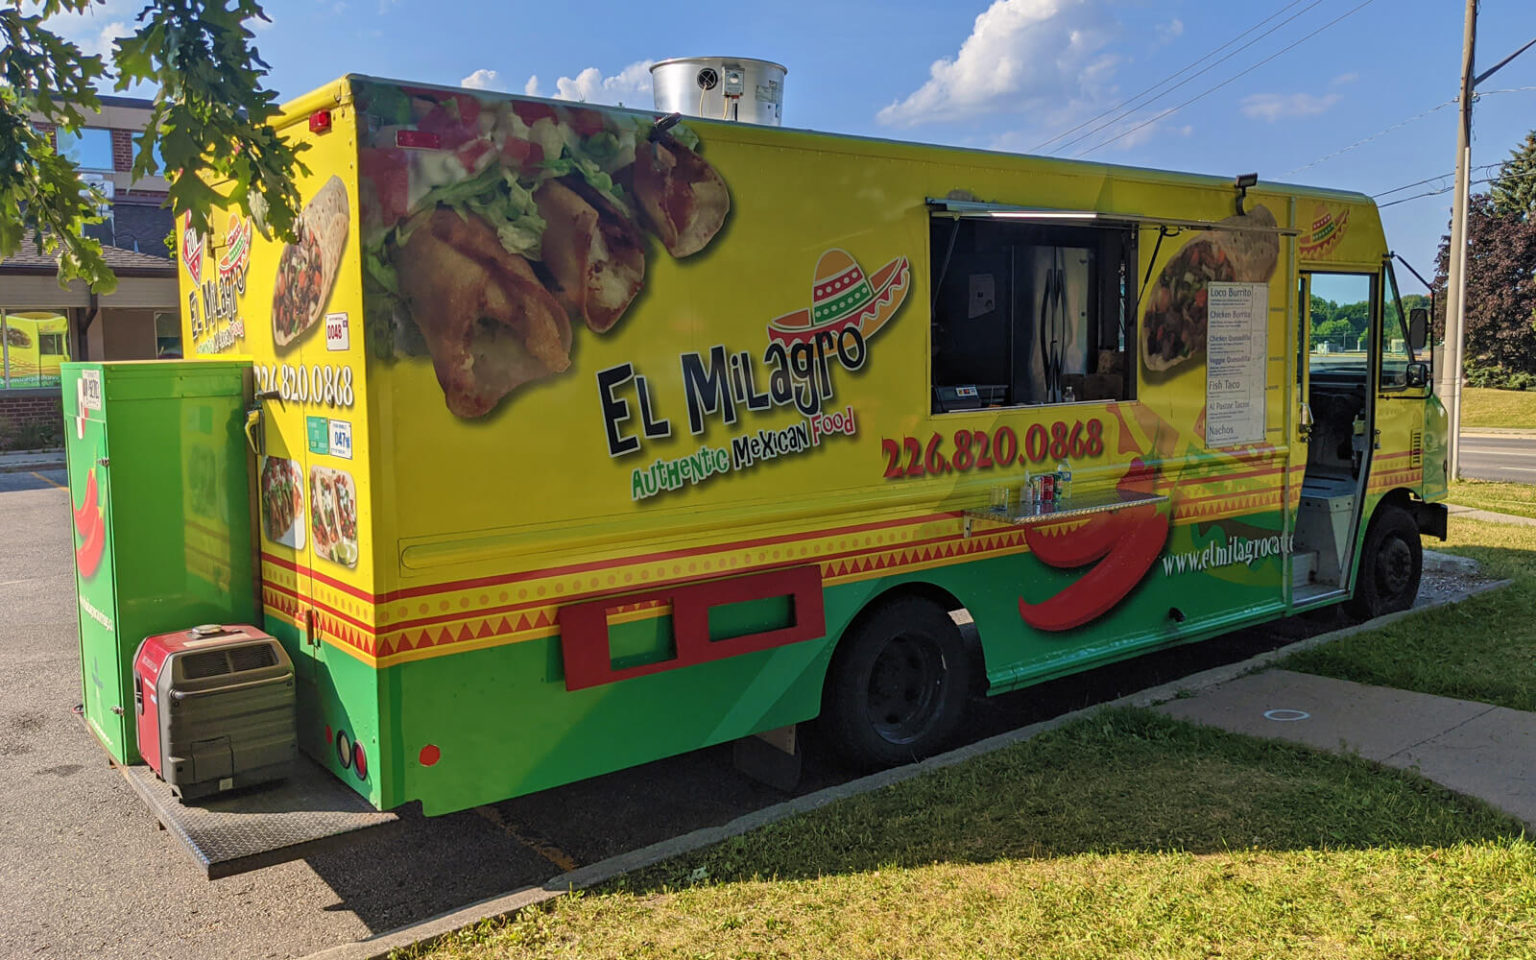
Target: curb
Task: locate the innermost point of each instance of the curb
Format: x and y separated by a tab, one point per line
506	905
30	467
1498	432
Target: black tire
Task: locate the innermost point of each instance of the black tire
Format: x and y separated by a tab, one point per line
898	685
1390	565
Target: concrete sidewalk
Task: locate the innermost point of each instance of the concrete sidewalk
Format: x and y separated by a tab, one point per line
1487	516
1472	748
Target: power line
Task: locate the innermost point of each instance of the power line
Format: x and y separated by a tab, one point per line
1374	136
1384	193
1194	63
1172	110
1111	122
1445	190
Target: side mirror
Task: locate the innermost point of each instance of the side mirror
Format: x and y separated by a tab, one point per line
1416	374
1418	328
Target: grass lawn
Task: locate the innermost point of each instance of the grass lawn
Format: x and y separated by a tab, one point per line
1124	835
1480	649
1516	498
1484	407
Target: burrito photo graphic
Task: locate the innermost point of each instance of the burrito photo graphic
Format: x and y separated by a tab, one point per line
1243	249
306	271
527	219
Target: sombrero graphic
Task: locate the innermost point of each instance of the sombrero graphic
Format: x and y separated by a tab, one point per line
1327	230
843	296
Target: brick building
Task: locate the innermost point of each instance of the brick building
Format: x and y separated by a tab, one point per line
42	324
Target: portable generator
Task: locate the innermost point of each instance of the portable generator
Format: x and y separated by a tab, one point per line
215	708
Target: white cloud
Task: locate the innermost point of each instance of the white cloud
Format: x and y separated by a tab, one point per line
99	25
630	86
1273	106
532	86
1344	78
481	79
1022	56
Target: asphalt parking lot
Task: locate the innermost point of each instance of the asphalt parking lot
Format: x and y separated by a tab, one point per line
87	873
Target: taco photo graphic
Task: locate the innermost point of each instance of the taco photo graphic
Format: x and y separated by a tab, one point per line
494	230
306	271
1243	249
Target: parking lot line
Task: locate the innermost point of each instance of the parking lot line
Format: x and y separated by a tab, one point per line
46	480
538	845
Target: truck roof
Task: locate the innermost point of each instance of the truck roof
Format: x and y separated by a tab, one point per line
302	106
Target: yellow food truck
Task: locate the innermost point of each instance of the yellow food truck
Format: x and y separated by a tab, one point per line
32	346
589	436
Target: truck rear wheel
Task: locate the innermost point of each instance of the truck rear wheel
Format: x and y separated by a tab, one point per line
898	685
1390	565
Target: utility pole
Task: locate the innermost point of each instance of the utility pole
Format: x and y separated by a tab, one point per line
1449	386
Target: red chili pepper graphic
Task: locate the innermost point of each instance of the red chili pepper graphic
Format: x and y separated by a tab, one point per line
88	507
88	554
1098	590
1065	549
1138	479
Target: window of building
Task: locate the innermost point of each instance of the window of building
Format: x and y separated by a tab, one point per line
32	345
1030	313
167	336
90	147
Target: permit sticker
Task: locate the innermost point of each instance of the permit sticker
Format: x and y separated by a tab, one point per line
341	439
337	334
318	431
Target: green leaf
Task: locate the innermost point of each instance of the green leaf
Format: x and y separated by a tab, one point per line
211	120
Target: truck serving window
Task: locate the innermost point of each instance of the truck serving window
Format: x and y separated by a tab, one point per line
1030	313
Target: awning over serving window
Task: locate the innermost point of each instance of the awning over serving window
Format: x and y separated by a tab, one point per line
977	210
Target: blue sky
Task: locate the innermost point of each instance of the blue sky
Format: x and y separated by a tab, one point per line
1008	74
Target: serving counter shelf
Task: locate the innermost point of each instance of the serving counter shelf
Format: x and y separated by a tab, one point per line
1066	508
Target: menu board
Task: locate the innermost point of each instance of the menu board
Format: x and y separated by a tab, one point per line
1236	363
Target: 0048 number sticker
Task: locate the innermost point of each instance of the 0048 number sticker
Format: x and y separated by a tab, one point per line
981	450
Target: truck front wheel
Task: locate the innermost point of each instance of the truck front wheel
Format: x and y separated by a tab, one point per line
1390	565
897	686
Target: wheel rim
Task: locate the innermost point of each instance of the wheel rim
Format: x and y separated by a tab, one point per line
1394	568
905	683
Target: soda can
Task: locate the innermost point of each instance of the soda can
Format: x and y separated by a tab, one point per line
1047	488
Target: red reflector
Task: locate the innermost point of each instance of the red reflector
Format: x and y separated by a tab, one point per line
429	755
320	121
420	139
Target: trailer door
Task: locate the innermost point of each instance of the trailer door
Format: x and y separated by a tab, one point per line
283	498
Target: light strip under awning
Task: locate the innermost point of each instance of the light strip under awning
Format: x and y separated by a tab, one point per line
976	210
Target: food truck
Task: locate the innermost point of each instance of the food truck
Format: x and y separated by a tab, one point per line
582	437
